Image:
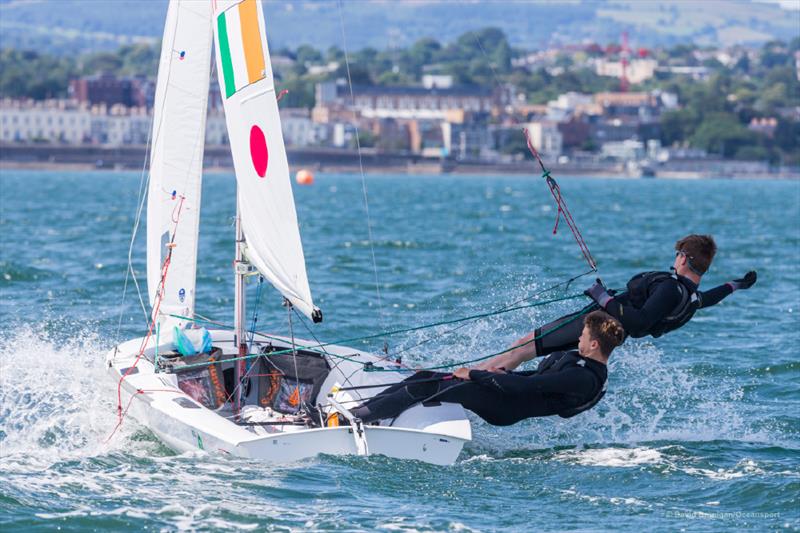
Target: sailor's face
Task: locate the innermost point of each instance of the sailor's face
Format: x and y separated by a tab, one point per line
584	342
680	259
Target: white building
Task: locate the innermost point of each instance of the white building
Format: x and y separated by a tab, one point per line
438	81
298	128
629	150
120	125
571	101
56	121
408	103
638	70
343	135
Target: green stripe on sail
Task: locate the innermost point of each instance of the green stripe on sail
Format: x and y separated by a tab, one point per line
225	55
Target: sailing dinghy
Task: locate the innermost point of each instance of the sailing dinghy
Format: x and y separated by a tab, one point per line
243	393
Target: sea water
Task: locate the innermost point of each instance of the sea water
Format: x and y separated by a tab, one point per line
700	429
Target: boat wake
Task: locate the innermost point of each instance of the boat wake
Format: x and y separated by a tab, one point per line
56	404
56	401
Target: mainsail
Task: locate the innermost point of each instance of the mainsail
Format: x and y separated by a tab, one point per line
176	161
265	197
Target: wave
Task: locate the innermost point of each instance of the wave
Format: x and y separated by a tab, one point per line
56	401
652	396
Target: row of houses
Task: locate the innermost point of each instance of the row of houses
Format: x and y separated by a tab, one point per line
437	119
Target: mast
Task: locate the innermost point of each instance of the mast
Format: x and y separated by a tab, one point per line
241	268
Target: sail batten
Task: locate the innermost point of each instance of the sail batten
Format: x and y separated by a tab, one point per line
266	202
176	159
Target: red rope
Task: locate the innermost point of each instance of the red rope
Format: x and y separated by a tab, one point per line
157	301
128	406
555	190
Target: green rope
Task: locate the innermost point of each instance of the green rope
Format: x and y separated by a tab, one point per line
369	367
485	357
411	329
246	357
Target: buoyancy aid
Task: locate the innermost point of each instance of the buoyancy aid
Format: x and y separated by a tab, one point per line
641	286
559	360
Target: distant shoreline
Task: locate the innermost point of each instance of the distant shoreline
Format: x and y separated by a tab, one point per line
217	158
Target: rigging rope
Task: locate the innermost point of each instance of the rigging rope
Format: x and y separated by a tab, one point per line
156	306
508	307
254	322
389	333
361	168
294	399
555	190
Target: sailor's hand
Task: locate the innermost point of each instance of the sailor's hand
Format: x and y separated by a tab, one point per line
746	282
462	373
498	370
598	293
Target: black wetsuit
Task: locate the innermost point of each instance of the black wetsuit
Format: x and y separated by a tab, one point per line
565	384
655	303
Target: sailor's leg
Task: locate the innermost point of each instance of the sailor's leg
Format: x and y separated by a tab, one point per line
421	375
399	397
493	406
560	334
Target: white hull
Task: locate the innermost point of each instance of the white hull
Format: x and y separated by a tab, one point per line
434	434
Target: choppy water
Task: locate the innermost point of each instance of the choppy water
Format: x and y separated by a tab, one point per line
700	429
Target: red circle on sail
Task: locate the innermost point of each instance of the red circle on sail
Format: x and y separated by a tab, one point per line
258	151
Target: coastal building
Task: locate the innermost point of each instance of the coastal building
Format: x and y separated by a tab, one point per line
764	125
636	71
110	90
298	128
437	81
426	138
119	125
405	102
575	131
571	101
467	136
612	130
56	121
628	150
390	135
643	106
696	73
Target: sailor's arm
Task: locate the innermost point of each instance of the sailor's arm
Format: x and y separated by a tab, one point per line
717	294
522	350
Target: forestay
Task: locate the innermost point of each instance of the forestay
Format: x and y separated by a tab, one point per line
176	160
265	197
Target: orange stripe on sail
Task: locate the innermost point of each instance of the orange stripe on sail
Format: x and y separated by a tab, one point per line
251	40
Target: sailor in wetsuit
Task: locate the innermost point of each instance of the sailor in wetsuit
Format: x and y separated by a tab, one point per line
565	384
654	303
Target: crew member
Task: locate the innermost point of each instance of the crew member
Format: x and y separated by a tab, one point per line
654	303
565	384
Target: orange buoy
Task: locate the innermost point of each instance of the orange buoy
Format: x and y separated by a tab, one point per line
304	177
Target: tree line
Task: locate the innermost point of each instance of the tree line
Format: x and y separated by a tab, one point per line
713	114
